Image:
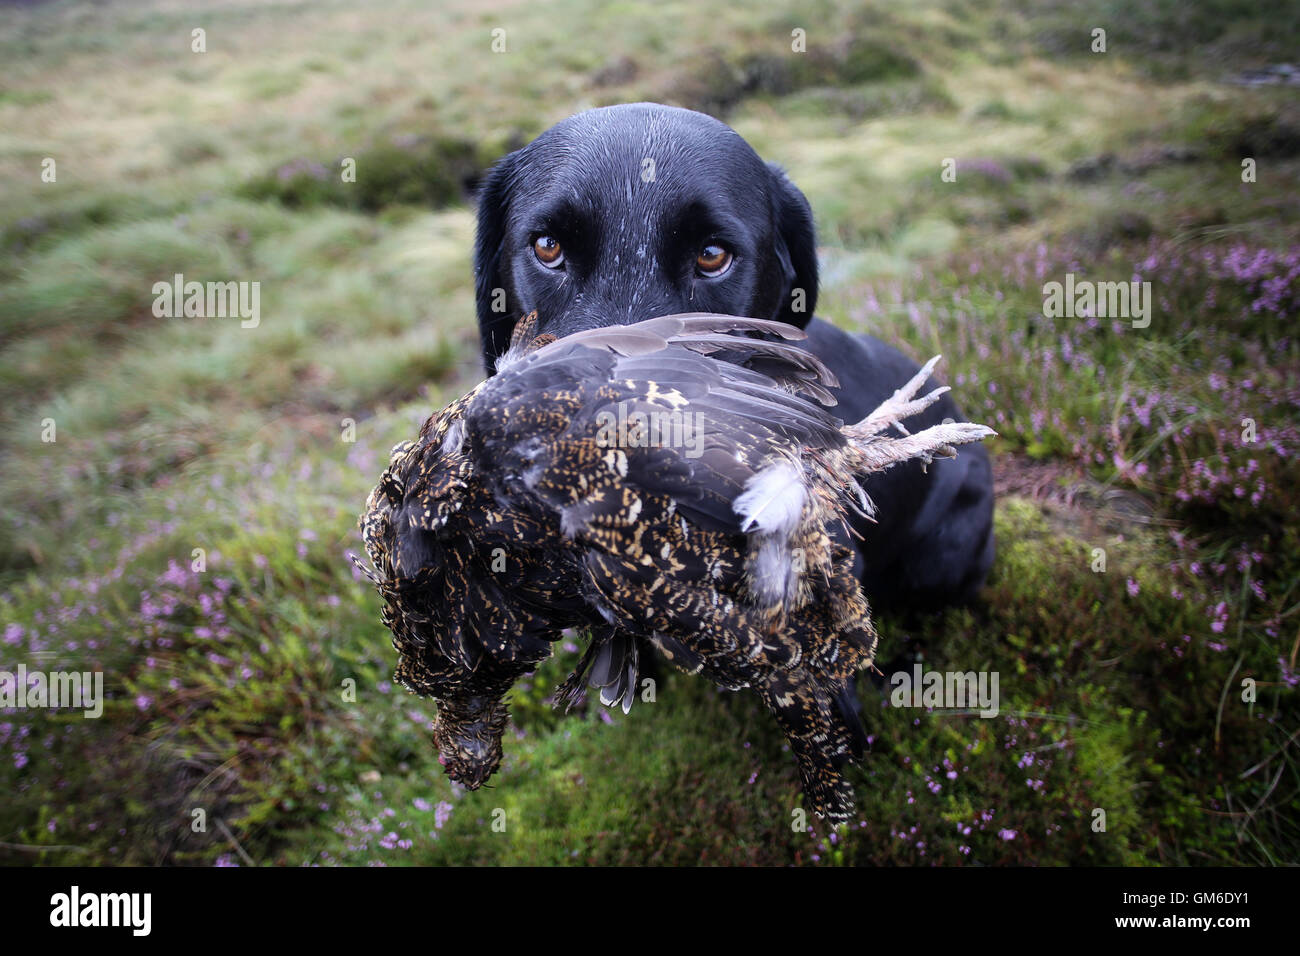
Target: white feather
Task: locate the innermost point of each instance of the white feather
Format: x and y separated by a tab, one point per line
455	438
773	500
772	570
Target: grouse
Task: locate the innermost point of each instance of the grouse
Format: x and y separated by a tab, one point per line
671	482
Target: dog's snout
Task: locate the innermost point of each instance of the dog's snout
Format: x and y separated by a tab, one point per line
618	306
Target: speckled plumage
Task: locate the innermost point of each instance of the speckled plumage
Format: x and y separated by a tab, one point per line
717	533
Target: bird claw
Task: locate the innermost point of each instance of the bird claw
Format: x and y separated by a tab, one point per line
903	403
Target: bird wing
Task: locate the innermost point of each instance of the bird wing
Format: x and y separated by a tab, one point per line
654	515
539	420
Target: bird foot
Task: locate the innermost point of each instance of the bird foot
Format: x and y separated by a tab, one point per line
902	404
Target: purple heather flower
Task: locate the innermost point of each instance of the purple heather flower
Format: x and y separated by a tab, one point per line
442	813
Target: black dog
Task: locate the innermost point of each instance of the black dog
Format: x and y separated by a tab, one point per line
628	212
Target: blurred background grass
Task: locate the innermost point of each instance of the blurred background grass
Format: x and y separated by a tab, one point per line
1121	690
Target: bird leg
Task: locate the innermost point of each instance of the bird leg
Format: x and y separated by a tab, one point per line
876	453
902	404
932	442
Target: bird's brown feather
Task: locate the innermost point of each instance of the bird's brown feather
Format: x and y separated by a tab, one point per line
514	517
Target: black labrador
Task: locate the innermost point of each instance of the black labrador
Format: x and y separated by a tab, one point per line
628	212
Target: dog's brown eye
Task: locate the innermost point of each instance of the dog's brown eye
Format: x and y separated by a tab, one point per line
548	251
712	261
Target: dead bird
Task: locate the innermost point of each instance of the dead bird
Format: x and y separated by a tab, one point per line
670	480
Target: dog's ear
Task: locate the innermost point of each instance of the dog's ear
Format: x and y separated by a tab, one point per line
493	296
796	248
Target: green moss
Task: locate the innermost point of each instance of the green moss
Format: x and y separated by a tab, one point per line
423	172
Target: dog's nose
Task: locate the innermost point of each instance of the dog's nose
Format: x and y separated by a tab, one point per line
604	311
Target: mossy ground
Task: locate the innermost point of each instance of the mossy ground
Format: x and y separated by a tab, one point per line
231	689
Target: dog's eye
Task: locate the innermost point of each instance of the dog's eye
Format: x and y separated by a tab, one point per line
548	251
712	261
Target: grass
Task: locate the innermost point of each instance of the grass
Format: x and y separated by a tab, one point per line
186	532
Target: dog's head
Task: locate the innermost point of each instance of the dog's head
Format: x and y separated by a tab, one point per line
627	212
